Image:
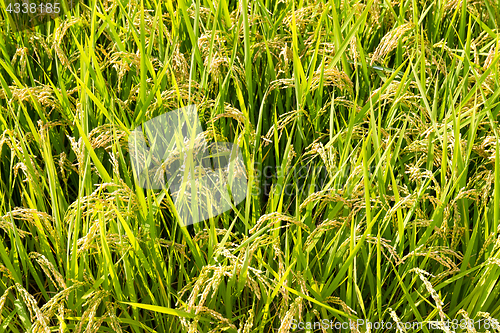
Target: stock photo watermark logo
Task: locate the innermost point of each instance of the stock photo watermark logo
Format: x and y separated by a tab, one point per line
25	14
172	152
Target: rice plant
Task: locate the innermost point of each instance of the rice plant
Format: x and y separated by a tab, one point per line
370	142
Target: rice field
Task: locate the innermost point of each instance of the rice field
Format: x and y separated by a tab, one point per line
369	136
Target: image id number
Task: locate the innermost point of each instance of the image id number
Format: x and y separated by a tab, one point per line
31	8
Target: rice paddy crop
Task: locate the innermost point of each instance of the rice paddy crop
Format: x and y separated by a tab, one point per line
370	139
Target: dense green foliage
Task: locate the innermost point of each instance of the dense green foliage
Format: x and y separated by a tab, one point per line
371	143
